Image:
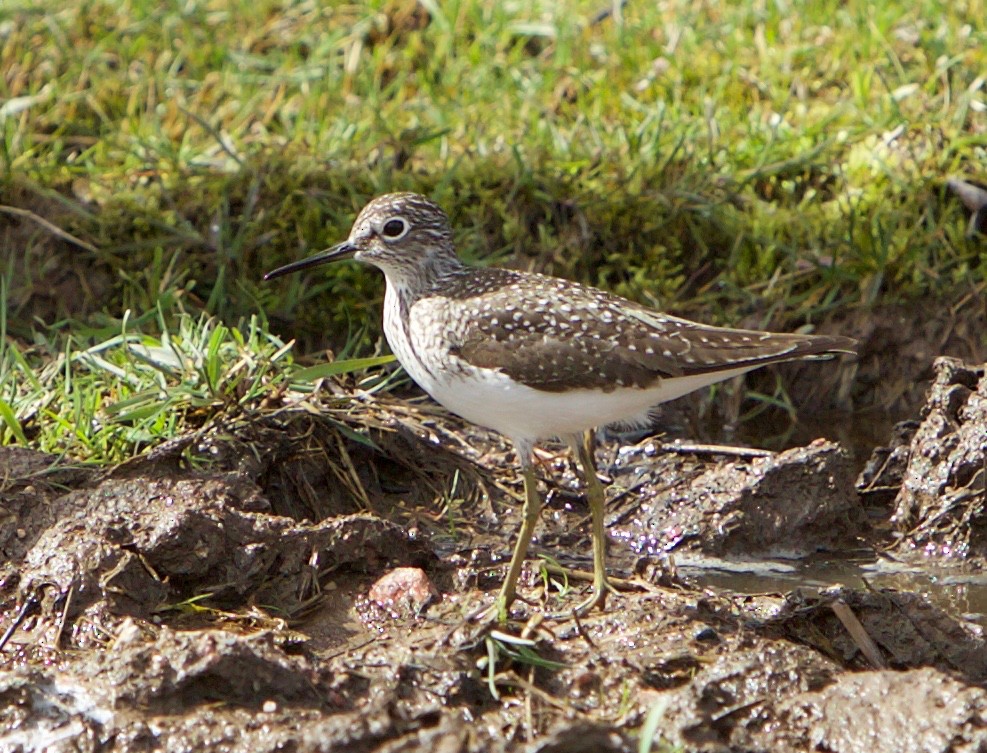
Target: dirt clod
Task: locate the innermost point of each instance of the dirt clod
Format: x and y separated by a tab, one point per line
794	502
144	543
941	507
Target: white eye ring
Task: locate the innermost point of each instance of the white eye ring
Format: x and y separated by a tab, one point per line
394	228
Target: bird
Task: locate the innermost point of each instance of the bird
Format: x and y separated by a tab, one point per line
535	357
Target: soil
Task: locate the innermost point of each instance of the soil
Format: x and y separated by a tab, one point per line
305	580
941	505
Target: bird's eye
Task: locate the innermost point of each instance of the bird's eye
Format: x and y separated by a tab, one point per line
394	228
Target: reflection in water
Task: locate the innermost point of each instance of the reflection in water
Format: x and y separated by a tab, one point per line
956	592
950	589
859	433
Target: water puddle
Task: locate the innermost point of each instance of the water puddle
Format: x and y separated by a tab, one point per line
858	432
954	591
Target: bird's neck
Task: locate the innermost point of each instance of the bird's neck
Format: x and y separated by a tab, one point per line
424	279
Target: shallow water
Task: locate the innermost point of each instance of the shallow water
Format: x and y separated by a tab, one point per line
954	591
859	433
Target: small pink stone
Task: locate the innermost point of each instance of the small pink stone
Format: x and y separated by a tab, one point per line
403	588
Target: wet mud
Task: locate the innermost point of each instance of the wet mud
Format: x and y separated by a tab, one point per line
941	506
304	580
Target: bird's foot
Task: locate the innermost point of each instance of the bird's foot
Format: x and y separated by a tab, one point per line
602	586
499	612
488	619
597	598
496	613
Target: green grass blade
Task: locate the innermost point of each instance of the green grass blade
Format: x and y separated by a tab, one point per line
336	368
13	425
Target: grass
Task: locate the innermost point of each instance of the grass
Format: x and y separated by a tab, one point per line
108	401
766	161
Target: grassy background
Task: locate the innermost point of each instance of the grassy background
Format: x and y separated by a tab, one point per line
763	162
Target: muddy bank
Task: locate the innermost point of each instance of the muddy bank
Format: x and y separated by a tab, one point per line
722	673
304	583
785	504
936	469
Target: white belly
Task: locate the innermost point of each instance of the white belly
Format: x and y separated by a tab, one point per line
489	398
524	413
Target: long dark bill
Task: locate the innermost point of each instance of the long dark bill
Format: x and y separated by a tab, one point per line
344	250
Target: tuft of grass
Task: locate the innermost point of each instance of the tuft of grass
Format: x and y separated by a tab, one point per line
554	577
505	649
106	401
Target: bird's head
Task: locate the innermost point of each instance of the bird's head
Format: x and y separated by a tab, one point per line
402	234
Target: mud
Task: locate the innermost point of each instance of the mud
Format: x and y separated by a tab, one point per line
303	580
741	506
940	506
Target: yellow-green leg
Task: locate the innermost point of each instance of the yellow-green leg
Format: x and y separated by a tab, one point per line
532	506
583	447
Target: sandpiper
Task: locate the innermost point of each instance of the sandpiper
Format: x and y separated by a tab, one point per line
535	357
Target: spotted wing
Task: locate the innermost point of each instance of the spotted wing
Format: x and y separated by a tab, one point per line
553	335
